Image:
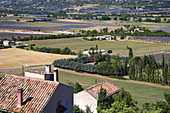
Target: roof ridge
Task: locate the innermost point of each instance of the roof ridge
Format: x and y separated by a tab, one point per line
110	87
97	84
9	75
31	88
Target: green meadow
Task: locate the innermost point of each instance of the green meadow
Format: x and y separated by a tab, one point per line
140	92
115	46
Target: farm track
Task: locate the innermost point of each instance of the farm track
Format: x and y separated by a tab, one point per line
129	81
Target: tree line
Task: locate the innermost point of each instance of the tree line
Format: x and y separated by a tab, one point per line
148	70
65	51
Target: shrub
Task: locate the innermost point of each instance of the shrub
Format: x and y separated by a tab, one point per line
77	88
67	64
77	68
109	51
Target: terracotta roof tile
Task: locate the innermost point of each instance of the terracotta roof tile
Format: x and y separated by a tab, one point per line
38	91
109	87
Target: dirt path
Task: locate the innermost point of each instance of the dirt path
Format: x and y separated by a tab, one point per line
130	81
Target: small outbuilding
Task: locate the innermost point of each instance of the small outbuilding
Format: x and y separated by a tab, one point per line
105	37
89	96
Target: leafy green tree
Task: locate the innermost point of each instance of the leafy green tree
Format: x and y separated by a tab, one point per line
97	47
165	19
104	68
77	68
18	20
125	96
80	54
88	110
76	109
97	57
167	98
140	19
13	38
122	103
77	88
65	51
114	37
102	99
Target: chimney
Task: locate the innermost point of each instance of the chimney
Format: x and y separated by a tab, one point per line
56	79
48	68
19	97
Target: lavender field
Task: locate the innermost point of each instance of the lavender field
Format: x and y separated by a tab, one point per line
9	35
48	25
166	29
154	38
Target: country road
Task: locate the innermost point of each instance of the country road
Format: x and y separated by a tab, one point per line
20	68
149	53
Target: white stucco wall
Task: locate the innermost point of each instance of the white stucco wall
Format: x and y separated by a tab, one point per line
34	75
82	99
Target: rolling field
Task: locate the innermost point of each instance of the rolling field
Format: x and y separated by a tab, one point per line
13	57
140	92
116	46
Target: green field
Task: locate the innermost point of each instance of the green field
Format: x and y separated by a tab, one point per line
141	93
115	46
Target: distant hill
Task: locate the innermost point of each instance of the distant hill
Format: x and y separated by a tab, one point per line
60	4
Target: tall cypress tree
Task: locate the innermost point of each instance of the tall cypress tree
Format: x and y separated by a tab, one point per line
102	99
140	70
163	65
130	52
166	74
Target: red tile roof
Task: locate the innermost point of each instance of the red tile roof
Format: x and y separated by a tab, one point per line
38	91
109	87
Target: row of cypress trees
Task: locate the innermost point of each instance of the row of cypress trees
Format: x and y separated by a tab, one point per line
148	70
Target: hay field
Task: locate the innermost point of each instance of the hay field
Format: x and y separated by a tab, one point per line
13	57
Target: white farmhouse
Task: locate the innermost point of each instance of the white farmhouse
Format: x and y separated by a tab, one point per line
89	96
6	43
18	43
105	37
88	52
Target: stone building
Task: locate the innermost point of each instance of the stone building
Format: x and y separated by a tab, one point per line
37	91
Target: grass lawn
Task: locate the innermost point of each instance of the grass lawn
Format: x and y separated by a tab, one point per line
116	46
141	93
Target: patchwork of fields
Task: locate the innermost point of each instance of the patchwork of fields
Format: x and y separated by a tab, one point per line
115	46
11	58
53	25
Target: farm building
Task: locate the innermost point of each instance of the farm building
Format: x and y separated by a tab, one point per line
40	93
82	98
88	52
105	37
18	43
7	43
